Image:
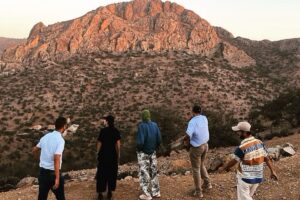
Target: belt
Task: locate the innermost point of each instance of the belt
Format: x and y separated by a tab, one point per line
46	170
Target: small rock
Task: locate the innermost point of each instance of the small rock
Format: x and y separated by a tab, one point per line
187	173
128	178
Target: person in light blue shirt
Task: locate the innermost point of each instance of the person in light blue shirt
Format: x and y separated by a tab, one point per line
197	135
198	130
51	148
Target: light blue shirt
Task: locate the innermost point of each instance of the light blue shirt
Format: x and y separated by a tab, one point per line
198	130
51	144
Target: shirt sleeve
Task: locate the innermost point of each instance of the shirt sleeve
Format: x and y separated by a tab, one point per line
118	135
140	138
60	148
238	154
190	129
266	153
100	138
39	144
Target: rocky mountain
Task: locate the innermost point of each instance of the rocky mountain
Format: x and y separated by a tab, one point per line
9	42
140	25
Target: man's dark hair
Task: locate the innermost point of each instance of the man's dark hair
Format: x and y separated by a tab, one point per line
110	120
60	122
197	109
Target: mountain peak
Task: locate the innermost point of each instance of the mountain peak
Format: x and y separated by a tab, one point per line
139	25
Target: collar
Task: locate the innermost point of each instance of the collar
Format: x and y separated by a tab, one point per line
247	140
197	116
57	132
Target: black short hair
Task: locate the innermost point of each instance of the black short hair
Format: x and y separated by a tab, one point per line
60	122
110	120
197	109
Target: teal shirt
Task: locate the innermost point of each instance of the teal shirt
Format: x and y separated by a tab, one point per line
148	137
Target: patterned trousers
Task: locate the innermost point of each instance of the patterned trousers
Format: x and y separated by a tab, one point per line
148	173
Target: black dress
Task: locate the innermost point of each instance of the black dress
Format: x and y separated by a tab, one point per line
107	169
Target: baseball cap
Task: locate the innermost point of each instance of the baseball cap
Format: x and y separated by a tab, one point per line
242	126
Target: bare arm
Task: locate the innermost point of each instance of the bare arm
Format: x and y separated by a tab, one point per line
56	169
118	147
269	164
36	152
98	146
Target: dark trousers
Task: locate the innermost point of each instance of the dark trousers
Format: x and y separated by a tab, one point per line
46	183
106	177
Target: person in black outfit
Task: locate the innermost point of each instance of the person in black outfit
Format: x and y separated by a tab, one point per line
108	148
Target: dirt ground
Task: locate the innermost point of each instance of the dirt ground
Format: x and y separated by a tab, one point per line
180	187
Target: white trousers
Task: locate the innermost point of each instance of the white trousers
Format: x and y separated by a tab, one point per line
245	191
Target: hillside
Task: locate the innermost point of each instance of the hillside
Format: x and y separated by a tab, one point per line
271	121
9	42
86	88
179	186
277	59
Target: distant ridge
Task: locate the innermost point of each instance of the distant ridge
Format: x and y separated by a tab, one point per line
9	42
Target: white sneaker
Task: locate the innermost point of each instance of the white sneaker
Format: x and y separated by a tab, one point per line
207	186
145	197
156	196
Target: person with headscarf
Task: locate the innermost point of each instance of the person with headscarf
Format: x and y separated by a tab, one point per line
108	148
148	140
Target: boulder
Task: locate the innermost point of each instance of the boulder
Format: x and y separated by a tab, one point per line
287	151
219	161
215	164
73	128
36	127
274	153
28	181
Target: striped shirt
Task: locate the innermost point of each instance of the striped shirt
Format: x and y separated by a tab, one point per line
250	155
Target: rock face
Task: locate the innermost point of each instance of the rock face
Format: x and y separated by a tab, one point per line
9	42
235	56
139	25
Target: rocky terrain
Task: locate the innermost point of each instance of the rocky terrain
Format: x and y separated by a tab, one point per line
278	59
176	180
9	42
123	58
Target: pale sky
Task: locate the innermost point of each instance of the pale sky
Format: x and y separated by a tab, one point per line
253	19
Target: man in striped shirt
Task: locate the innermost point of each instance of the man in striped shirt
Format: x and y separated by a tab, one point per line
251	156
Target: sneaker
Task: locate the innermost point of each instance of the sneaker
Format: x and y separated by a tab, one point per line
109	195
156	196
100	196
207	186
198	194
145	197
